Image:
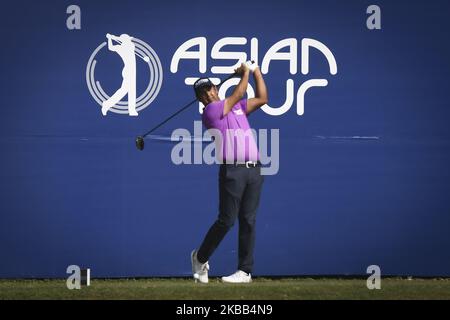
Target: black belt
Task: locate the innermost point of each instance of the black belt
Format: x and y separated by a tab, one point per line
246	164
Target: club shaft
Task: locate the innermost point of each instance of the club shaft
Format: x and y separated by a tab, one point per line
169	118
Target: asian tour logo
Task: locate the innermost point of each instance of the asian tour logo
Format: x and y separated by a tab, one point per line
289	50
128	48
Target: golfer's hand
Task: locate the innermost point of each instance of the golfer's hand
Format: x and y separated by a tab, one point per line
242	69
108	36
252	65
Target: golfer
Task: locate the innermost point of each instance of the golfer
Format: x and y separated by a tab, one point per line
240	179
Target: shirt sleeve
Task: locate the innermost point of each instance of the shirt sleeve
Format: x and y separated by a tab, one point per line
213	114
243	103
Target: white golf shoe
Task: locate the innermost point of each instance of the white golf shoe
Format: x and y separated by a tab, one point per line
238	277
199	270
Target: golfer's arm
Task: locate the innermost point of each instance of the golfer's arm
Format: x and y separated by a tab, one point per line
260	98
111	47
238	93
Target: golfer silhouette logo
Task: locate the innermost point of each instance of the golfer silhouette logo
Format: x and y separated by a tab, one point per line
125	49
128	48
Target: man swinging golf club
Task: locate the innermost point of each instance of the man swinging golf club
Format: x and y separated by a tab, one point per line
240	179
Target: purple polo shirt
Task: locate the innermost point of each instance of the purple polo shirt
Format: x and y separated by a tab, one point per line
238	142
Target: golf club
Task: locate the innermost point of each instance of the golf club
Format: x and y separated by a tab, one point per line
140	139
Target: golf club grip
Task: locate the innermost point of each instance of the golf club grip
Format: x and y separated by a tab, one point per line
183	108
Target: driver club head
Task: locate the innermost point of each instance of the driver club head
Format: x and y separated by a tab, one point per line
140	143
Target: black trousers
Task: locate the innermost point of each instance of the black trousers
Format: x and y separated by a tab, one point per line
239	193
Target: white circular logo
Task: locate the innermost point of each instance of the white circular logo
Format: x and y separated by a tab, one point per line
128	48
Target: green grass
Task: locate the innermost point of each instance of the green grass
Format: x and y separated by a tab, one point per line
297	288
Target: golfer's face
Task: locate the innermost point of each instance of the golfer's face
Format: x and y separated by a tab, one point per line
209	94
212	92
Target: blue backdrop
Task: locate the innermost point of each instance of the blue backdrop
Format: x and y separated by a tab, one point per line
74	189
